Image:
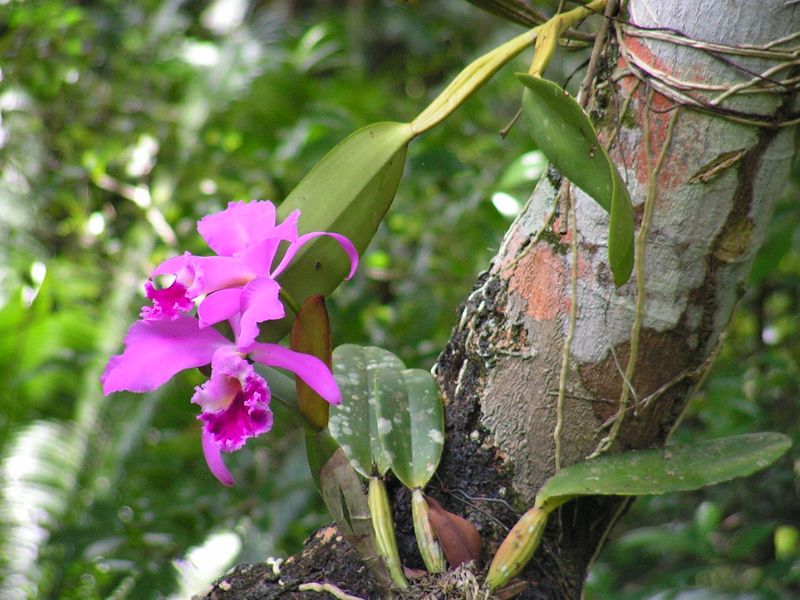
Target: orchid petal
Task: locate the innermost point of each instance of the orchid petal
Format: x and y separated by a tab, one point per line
287	229
180	266
219	306
157	350
238	226
214	460
309	368
260	255
259	302
235	323
228	371
206	274
294	248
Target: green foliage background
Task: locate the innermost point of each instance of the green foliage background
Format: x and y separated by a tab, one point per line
123	123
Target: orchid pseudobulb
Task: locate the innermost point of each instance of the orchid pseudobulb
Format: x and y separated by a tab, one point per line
239	286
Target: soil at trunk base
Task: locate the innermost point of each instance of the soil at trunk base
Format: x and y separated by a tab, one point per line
326	558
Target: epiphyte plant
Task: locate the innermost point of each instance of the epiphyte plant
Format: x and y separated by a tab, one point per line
237	286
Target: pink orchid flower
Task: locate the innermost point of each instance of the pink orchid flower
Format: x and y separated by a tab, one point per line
235	399
239	286
239	283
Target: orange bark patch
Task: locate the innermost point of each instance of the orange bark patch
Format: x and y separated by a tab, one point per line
541	279
658	114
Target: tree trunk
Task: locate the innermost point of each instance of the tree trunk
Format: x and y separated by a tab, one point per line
702	210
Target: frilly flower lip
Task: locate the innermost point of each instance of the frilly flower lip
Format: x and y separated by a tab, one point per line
239	283
234	402
235	408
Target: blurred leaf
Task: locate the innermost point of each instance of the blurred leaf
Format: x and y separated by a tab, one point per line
674	540
205	562
776	245
39	470
787	542
747	541
707	518
523	170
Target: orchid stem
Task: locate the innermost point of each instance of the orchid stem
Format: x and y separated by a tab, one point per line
289	301
550	32
481	70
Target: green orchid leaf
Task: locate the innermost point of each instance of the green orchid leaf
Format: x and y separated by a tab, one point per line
677	468
347	192
410	423
563	131
620	231
354	423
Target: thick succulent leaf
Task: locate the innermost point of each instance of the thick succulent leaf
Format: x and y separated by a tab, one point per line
347	192
410	423
390	390
677	468
354	423
620	231
563	131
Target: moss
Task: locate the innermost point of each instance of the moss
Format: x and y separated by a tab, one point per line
553	239
629	119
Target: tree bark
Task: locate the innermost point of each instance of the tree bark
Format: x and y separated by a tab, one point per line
501	374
